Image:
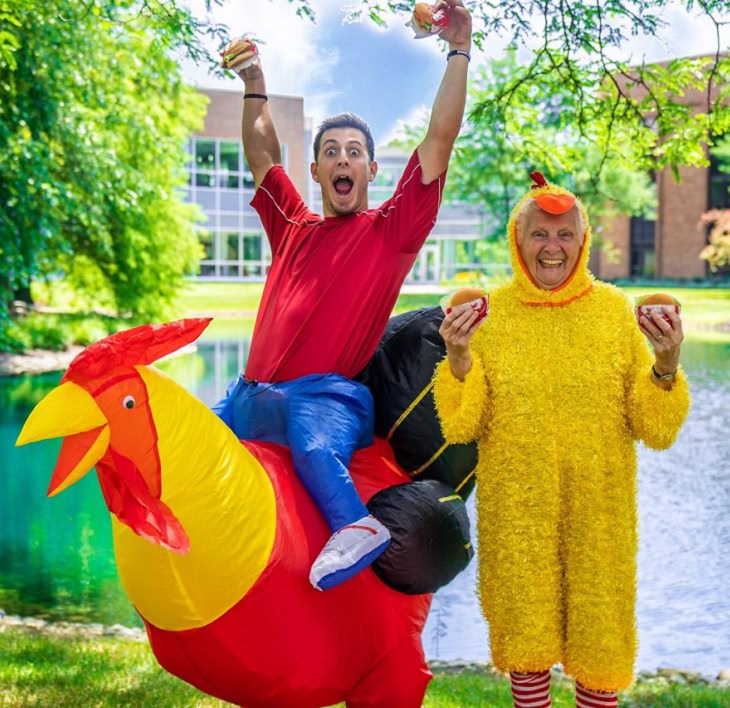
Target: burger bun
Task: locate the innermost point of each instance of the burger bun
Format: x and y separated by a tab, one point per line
239	54
425	22
657	305
476	298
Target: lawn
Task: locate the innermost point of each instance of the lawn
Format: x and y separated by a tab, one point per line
702	307
41	670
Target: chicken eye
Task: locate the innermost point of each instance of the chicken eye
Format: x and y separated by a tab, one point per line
128	402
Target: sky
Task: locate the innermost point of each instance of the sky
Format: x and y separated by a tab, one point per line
386	76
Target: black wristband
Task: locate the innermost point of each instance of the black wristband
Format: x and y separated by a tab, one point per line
462	52
262	96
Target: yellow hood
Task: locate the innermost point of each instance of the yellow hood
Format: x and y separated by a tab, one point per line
579	283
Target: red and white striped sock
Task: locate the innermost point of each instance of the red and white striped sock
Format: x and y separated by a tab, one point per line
531	690
594	699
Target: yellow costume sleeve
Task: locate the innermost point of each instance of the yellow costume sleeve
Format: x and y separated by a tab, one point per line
463	406
655	415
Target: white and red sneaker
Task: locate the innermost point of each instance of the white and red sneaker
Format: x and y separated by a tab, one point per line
348	551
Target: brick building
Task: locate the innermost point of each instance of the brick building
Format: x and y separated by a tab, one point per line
668	247
222	186
236	247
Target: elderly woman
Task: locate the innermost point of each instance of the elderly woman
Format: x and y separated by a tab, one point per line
556	385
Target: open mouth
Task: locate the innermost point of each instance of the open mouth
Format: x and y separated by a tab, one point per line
551	262
343	186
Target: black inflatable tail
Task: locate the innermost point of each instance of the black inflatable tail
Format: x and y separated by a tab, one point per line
399	377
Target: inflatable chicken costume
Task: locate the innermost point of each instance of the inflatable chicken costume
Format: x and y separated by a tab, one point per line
214	539
559	391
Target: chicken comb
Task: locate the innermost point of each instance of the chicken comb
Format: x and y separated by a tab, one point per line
133	347
538	179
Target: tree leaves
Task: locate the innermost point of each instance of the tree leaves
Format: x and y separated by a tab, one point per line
93	124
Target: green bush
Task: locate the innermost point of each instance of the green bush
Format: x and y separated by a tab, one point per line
56	332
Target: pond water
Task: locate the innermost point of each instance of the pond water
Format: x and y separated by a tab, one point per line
56	559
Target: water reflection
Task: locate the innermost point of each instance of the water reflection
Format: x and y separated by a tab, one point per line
56	559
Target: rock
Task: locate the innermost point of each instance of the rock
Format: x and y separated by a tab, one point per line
36	361
681	676
724	675
460	666
34	622
119	630
12	620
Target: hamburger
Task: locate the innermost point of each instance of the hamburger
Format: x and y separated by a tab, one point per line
657	305
477	298
426	22
239	54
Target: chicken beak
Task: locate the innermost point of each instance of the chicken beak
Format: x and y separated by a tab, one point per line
68	411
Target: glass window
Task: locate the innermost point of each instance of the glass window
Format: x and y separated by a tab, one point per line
206	199
228	221
230	181
207	269
205	154
230	156
229	270
206	241
204	179
252	247
719	196
229	244
642	256
247	175
229	200
189	155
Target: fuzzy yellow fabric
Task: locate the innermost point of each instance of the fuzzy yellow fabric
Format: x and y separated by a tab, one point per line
464	406
557	397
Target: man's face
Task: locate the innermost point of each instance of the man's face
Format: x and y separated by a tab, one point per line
343	171
550	246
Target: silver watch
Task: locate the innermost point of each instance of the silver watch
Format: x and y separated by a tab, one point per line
663	377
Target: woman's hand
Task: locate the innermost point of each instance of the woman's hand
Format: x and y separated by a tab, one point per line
665	335
457	330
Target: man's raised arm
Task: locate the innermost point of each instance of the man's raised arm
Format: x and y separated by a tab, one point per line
448	106
260	142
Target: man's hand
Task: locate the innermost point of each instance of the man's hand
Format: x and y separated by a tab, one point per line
239	51
458	33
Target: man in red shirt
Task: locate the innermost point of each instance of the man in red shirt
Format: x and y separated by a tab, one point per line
333	282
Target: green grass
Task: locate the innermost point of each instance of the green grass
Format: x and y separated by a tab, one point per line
233	306
220	299
700	306
706	307
41	670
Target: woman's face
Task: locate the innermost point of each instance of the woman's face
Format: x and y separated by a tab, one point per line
549	245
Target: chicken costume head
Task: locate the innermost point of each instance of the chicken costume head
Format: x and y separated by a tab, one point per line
554	200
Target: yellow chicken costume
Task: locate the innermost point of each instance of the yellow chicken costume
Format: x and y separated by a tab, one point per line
559	391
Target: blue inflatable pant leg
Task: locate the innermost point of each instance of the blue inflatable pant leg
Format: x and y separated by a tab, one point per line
323	419
329	417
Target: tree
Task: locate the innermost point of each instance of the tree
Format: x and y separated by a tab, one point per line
494	154
632	110
94	118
